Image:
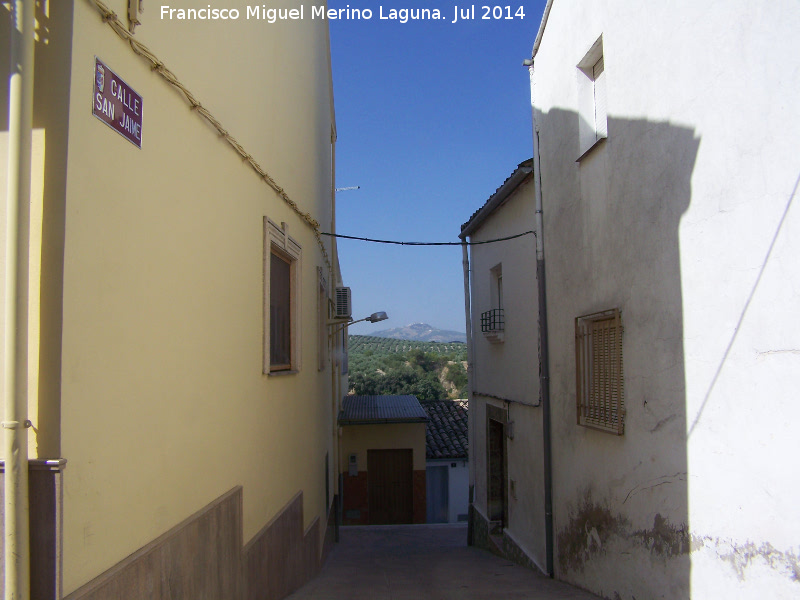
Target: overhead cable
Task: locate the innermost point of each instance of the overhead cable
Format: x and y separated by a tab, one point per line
364	239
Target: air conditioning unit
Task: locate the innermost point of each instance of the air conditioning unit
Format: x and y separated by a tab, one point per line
344	304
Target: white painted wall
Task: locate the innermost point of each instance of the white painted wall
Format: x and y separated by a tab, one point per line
457	486
686	219
509	369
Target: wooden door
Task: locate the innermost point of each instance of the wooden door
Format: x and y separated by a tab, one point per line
391	487
497	471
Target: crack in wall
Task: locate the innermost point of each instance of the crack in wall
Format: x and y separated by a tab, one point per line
655	483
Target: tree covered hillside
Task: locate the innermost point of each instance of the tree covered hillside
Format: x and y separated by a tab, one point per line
428	370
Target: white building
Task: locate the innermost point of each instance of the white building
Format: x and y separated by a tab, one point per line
446	461
506	423
666	167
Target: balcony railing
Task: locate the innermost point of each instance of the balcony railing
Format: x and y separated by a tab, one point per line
492	320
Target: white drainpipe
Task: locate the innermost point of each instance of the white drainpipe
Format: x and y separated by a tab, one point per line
20	122
544	366
470	383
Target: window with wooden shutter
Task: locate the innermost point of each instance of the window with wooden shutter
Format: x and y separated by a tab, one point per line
323	314
280	313
598	365
281	300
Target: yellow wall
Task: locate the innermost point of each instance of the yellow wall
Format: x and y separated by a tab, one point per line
152	349
48	181
360	438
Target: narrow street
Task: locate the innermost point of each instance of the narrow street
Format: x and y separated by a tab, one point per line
412	562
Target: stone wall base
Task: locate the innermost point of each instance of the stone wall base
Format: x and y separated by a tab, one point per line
203	557
491	537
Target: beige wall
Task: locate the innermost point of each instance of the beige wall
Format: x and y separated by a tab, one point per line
509	369
360	438
157	340
48	180
517	351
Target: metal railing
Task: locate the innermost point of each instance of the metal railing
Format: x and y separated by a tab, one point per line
493	320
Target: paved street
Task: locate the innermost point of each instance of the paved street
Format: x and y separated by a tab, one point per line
413	562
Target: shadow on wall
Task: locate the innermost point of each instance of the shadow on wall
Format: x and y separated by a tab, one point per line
612	239
52	80
50	133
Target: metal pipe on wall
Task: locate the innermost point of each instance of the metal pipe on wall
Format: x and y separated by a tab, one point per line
544	363
20	123
470	386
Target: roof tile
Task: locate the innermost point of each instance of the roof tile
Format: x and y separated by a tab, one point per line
381	409
446	434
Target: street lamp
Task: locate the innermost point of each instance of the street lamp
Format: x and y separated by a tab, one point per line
373	318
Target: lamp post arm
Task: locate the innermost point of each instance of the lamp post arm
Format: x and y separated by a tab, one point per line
343	325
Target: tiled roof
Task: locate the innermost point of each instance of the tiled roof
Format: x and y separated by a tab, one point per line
362	410
498	198
446	434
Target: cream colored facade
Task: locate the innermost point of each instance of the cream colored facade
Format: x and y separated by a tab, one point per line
682	214
148	295
359	439
505	375
358	473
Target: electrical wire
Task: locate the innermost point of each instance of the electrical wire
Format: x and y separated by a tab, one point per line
110	17
364	239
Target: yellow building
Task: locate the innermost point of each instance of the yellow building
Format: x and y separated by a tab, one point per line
382	460
182	383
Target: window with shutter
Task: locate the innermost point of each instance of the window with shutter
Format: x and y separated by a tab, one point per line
281	300
280	313
592	107
598	366
323	314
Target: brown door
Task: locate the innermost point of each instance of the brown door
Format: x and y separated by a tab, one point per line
391	488
497	472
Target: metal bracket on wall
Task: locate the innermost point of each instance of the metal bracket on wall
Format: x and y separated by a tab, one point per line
17	424
134	8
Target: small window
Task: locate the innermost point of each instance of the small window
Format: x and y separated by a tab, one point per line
592	113
598	362
497	286
281	300
493	320
322	317
280	312
345	352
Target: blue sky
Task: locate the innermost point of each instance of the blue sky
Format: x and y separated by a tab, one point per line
432	116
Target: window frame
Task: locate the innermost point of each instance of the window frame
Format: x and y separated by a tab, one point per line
278	242
323	316
599	379
592	100
496	276
493	320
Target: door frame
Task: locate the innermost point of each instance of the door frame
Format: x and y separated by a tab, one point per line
500	416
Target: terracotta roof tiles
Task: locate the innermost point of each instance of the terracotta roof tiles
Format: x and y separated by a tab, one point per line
446	434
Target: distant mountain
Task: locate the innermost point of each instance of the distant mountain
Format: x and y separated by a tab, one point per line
421	332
